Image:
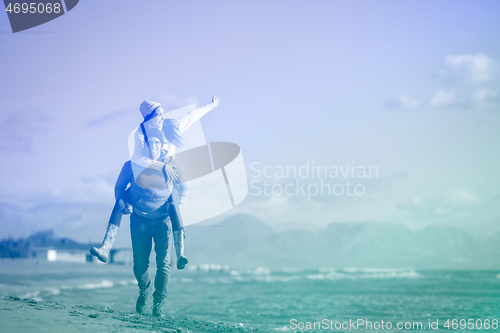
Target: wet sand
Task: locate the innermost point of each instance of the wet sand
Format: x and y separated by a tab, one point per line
28	315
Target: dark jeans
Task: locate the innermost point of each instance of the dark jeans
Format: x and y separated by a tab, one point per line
124	201
120	205
143	232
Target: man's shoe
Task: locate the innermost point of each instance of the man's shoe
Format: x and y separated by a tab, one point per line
142	301
157	305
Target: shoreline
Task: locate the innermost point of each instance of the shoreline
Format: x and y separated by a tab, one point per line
29	315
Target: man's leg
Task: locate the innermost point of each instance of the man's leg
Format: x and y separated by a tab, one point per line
141	233
161	237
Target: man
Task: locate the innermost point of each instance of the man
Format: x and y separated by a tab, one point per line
150	190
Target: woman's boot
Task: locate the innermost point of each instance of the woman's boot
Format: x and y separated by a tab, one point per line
179	249
102	252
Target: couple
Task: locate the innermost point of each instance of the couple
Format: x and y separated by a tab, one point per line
150	176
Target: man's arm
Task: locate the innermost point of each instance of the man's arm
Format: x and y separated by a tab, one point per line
123	180
181	183
184	189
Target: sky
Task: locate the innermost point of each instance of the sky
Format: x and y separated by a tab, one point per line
410	87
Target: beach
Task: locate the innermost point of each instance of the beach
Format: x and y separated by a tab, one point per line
75	297
29	315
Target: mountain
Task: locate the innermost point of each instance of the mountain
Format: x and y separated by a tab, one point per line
245	241
10	248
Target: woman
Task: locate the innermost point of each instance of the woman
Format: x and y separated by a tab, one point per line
154	118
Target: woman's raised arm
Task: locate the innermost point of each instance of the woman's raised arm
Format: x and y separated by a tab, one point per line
195	115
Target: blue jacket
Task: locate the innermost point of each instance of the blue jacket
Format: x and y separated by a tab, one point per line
149	189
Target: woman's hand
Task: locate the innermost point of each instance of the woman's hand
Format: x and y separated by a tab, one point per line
215	102
128	209
170	172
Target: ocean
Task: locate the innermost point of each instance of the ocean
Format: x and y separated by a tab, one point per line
275	300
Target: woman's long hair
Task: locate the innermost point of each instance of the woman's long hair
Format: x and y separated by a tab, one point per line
171	131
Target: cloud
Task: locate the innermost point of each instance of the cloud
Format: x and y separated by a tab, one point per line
320	183
461	197
476	68
470	82
442	98
19	129
483	94
402	102
108	118
171	102
96	189
452	205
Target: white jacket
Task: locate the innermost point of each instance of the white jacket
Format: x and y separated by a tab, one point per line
184	123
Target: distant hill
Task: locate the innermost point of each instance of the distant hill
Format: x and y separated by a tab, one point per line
10	248
244	241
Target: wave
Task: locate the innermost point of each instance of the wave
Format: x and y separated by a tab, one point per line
33	295
52	291
262	274
102	284
49	292
365	273
261	271
374	270
277	278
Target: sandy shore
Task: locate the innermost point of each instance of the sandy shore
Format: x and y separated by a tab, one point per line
29	315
